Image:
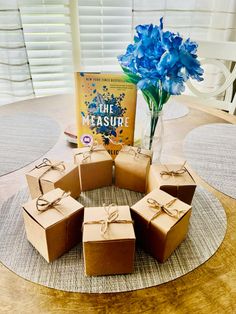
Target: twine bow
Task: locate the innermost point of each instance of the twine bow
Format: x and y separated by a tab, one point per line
173	173
136	152
59	166
87	155
172	212
47	163
111	217
42	204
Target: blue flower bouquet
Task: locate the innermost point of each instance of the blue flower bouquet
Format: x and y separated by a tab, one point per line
159	63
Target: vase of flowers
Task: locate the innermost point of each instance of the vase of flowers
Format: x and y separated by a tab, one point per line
159	62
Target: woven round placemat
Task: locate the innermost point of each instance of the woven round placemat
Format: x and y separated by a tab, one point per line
211	151
207	229
24	138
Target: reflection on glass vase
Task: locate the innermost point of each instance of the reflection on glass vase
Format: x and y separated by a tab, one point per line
153	132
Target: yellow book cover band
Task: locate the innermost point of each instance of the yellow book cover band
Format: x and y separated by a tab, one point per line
106	107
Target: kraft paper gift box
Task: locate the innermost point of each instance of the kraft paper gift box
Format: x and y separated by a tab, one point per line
95	166
108	247
131	168
161	223
51	174
53	223
173	179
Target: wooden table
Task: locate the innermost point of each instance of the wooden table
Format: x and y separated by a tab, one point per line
211	288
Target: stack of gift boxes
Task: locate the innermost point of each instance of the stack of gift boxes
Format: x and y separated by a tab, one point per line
55	221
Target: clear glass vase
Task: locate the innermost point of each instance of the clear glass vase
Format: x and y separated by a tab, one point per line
153	132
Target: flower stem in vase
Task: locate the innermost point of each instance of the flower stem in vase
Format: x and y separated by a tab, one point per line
152	129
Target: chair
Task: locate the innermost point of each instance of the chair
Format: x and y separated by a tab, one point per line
218	54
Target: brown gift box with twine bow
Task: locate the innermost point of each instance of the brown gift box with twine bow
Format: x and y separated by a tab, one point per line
108	240
53	223
161	223
131	168
51	174
95	166
173	179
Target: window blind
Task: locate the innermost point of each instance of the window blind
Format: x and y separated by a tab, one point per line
47	34
208	20
15	78
105	31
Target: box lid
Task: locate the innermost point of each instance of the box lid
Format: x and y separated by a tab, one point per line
66	207
116	231
163	221
52	175
178	180
98	154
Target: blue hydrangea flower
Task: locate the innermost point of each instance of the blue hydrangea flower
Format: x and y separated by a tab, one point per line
160	62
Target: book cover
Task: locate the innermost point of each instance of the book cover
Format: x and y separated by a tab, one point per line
106	106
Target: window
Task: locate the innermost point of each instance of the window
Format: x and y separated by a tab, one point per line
47	35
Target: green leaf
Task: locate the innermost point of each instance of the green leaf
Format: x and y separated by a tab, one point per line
164	97
126	70
153	96
131	77
129	80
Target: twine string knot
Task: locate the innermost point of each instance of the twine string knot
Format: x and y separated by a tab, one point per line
174	173
158	208
111	217
136	152
42	204
52	166
87	155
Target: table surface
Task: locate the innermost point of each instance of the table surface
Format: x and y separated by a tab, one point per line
210	288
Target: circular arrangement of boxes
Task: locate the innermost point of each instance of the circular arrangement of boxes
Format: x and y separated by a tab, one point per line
55	221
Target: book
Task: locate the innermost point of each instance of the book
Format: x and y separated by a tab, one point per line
106	107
